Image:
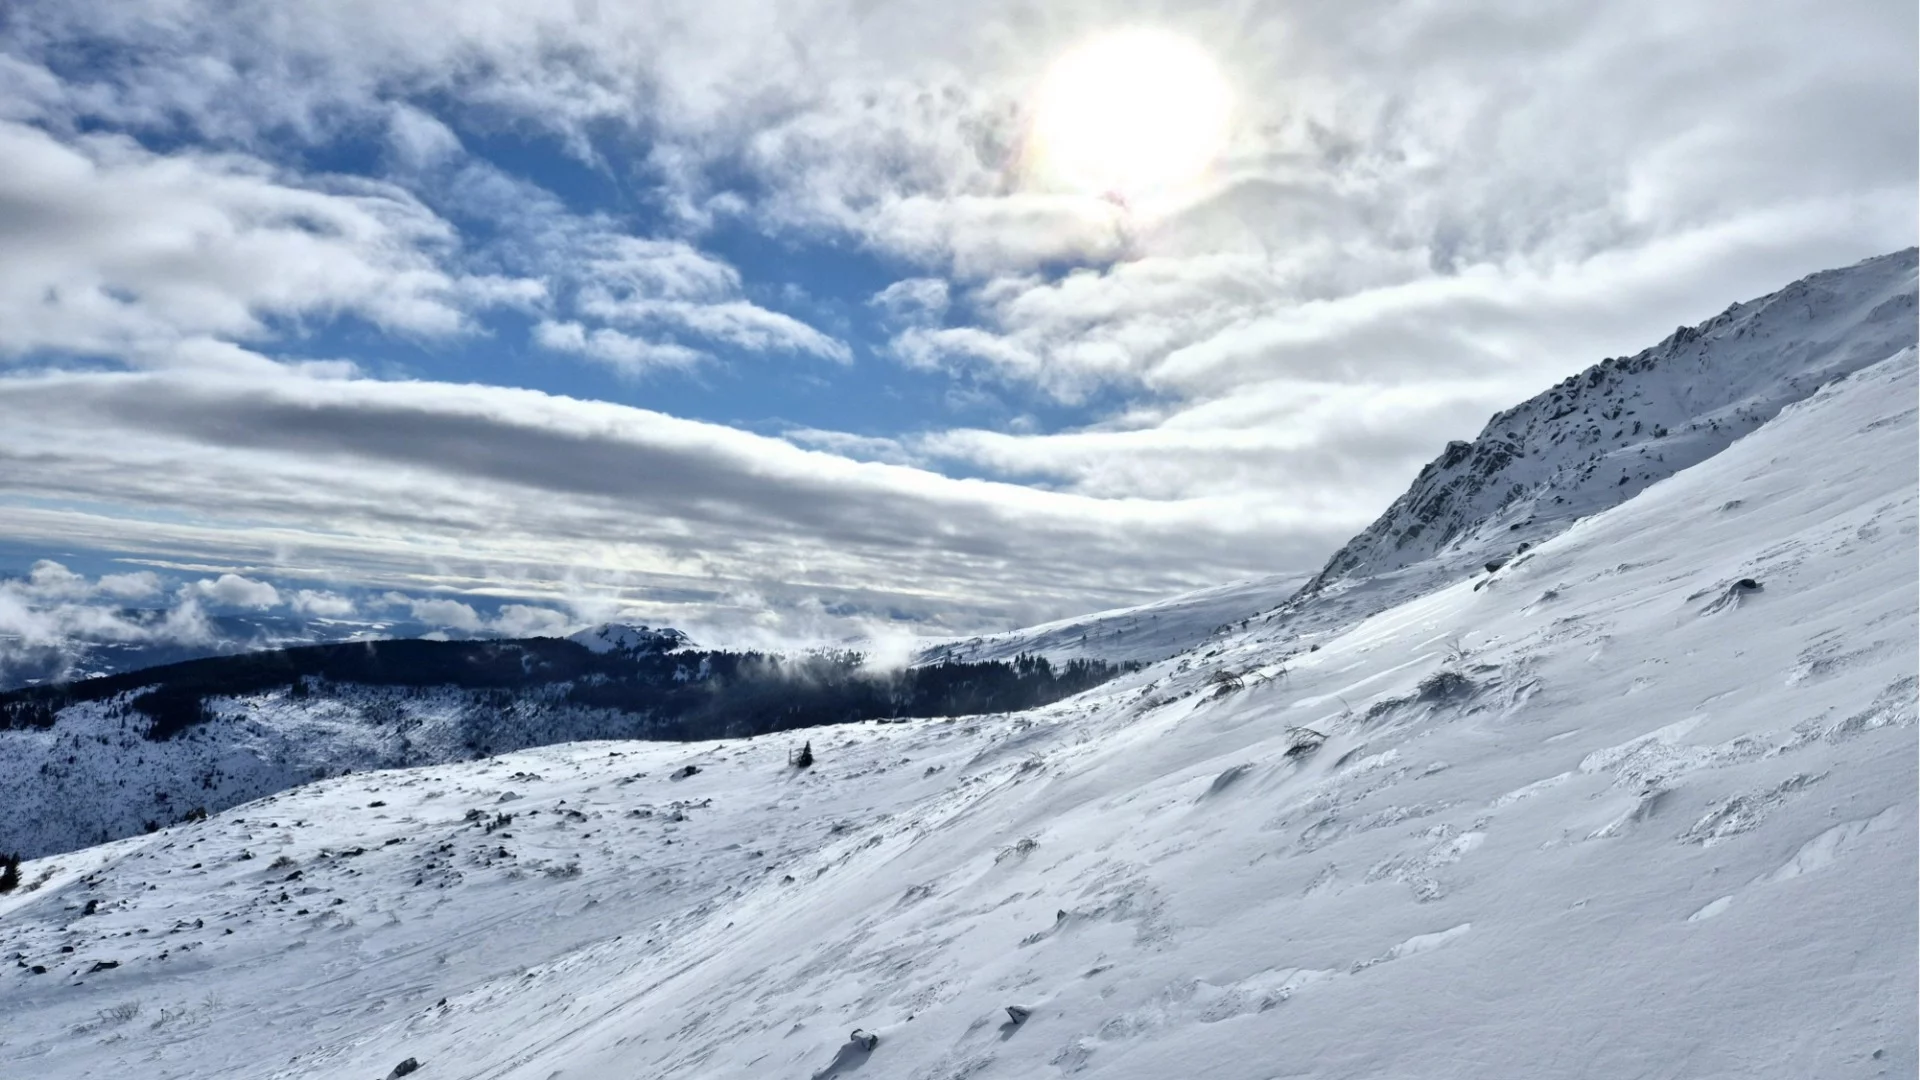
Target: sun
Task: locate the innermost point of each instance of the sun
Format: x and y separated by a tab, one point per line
1130	113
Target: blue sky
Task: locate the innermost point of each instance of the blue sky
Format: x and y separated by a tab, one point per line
790	323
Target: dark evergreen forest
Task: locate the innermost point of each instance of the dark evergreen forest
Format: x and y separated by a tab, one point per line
685	694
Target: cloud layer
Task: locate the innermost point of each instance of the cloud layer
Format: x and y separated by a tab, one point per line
53	617
1425	213
504	487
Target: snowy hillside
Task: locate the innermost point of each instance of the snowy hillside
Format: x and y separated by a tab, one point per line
112	757
624	637
1141	634
1604	435
1640	803
96	775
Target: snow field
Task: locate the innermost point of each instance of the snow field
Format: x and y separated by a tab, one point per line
1648	823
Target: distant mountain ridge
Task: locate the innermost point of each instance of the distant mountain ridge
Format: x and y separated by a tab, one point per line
630	638
75	657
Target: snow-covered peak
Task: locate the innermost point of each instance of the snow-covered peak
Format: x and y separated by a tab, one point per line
1604	435
630	638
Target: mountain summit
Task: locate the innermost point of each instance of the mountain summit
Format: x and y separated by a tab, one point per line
1601	437
630	638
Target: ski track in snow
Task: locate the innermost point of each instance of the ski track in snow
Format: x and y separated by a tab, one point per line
1630	834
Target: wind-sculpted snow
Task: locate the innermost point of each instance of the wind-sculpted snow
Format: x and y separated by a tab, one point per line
1559	821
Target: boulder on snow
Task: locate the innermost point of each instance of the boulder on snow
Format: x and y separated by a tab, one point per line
1729	595
1018	1013
405	1068
852	1056
683	772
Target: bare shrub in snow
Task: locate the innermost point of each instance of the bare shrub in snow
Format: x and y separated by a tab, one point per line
1445	685
1020	848
1225	681
1302	741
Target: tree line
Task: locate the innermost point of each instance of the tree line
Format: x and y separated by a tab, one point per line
686	694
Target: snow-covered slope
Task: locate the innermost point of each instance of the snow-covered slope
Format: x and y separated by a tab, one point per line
626	637
1141	634
1602	436
96	776
1604	813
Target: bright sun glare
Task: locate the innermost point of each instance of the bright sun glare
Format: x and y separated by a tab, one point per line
1130	113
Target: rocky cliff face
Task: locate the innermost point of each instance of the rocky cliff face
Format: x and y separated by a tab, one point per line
1602	436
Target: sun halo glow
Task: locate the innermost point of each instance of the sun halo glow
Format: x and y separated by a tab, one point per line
1130	113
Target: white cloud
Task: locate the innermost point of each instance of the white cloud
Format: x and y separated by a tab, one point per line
1333	401
43	613
729	322
117	251
51	614
615	268
512	620
977	236
857	447
421	140
448	613
232	590
1427	211
420	486
664	287
524	620
139	585
1465	131
914	301
321	603
623	352
53	580
48	581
